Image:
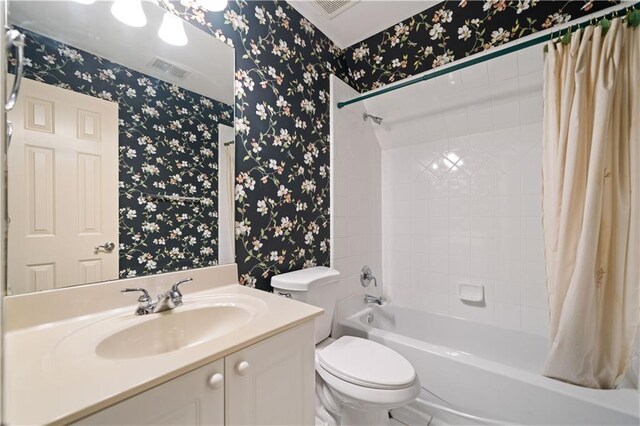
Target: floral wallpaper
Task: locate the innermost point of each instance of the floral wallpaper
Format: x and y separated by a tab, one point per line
283	65
453	30
282	111
281	106
282	115
168	144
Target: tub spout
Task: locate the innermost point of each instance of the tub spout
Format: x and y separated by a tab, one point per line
372	299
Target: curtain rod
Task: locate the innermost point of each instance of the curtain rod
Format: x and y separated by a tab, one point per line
493	54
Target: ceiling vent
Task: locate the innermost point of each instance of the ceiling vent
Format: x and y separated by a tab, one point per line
333	8
169	68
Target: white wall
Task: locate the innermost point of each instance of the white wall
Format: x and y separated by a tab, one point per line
478	220
355	199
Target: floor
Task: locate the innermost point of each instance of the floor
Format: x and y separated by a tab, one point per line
432	422
412	420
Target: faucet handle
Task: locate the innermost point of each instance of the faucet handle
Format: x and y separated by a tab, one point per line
176	295
176	285
366	276
144	297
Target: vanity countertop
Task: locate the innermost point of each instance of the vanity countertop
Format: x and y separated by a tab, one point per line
48	384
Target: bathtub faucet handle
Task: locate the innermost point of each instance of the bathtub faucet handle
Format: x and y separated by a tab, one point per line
366	276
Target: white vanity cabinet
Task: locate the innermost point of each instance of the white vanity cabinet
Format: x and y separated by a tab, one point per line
272	382
195	398
268	383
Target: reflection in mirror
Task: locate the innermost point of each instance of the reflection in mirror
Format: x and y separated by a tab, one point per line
121	160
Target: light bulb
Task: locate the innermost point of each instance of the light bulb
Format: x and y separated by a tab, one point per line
172	30
213	5
129	12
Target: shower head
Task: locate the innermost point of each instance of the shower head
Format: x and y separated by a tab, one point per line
377	120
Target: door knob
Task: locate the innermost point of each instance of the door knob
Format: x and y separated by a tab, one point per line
216	380
107	247
242	368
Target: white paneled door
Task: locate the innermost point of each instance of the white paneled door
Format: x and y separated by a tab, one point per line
63	189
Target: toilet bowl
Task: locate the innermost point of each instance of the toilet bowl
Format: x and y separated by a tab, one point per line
357	380
361	380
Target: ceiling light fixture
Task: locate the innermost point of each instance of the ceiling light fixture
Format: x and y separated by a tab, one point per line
85	1
172	30
129	12
213	5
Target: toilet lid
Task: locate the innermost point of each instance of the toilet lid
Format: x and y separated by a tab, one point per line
366	363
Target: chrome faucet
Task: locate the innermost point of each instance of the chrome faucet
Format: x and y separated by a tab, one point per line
172	298
166	301
372	299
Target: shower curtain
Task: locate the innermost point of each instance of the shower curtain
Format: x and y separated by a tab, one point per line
591	202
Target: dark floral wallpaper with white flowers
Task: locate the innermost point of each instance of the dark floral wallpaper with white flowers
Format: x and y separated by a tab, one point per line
283	65
281	106
168	144
453	30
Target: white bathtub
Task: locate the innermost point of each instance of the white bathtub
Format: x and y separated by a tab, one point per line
480	374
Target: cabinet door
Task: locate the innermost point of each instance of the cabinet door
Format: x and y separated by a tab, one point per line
272	382
192	399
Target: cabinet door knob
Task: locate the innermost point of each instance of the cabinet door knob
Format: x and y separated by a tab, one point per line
242	367
216	380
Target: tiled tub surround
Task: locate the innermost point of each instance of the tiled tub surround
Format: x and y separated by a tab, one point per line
461	194
355	199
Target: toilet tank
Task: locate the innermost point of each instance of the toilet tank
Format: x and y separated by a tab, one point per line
316	286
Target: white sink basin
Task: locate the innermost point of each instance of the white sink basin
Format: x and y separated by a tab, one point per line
172	330
199	320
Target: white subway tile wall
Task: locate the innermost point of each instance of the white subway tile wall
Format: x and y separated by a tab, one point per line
463	204
356	219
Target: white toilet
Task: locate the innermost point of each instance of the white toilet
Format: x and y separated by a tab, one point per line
357	380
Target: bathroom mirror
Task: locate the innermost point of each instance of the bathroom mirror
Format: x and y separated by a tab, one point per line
121	158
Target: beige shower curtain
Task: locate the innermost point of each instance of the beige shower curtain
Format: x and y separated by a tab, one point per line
591	203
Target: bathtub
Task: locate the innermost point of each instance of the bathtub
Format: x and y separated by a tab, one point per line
474	373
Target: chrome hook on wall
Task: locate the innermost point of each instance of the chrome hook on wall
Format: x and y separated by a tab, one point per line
15	38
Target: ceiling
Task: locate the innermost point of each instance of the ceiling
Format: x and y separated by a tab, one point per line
94	29
364	19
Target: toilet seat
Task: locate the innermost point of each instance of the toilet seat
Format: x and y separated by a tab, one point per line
366	398
366	363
